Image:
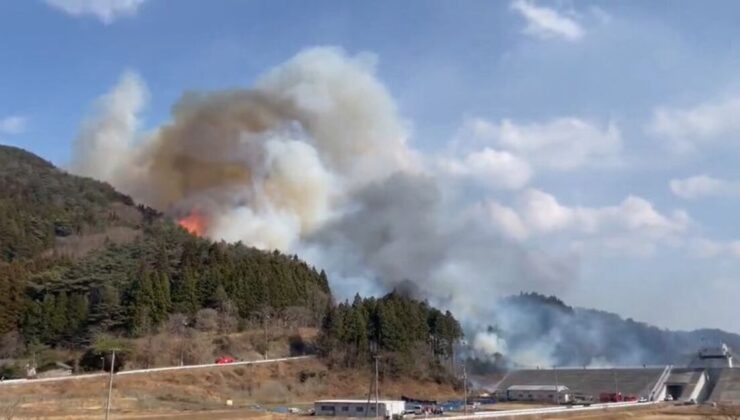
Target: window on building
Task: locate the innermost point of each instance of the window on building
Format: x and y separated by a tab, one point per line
345	408
327	408
359	409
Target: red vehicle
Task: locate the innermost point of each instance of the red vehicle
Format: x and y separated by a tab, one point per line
225	360
606	397
629	398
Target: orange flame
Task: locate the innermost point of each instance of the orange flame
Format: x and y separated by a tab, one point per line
194	223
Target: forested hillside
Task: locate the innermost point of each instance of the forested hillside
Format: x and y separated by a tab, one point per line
78	258
41	205
410	336
572	336
81	263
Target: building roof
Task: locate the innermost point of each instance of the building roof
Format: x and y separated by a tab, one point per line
372	401
560	388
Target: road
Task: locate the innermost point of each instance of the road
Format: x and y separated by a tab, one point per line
548	410
152	370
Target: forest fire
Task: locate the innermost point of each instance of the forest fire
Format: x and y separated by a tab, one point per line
194	223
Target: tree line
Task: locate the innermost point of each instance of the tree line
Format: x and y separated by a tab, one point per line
80	261
409	335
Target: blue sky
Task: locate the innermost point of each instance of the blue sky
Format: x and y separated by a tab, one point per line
619	117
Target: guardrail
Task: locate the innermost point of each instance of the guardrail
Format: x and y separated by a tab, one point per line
152	370
548	410
655	391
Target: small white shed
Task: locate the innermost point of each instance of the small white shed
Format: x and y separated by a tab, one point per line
549	393
358	408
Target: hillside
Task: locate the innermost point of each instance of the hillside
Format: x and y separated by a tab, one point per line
84	268
78	259
42	207
570	336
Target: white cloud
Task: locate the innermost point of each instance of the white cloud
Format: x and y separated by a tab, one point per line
633	224
688	128
703	186
105	10
496	169
13	124
546	23
559	144
706	248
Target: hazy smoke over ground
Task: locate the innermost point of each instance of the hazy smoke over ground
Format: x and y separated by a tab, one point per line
314	159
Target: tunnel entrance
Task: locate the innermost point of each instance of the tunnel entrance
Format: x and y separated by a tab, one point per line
674	391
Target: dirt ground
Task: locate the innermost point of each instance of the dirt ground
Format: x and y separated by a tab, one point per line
666	412
253	390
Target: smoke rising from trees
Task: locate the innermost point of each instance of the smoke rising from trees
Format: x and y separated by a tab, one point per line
315	159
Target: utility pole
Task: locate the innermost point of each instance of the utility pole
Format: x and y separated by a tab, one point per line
465	387
557	386
616	385
110	383
377	392
374	382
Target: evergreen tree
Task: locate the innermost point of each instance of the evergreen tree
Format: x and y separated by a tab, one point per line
48	310
164	285
186	300
59	319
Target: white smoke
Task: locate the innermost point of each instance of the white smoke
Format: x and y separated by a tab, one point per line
105	143
315	159
279	158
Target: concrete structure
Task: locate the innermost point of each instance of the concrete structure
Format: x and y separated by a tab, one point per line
547	393
718	356
685	384
709	376
359	408
639	382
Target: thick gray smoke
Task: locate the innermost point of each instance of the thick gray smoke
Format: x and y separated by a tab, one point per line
266	165
314	159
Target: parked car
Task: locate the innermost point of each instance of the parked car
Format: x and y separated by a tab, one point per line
225	360
669	397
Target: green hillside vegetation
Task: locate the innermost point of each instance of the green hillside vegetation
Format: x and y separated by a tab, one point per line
410	336
80	263
78	259
40	204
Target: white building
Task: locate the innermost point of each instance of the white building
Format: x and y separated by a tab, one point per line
549	393
358	408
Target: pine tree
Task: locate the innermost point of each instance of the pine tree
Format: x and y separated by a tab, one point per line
12	300
159	305
59	318
48	309
34	328
77	312
164	284
186	300
142	305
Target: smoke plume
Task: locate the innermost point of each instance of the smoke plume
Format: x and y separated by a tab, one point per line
315	159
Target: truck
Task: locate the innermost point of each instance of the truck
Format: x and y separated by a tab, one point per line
607	397
579	398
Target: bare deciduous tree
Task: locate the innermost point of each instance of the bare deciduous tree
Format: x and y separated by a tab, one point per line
206	320
11	345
